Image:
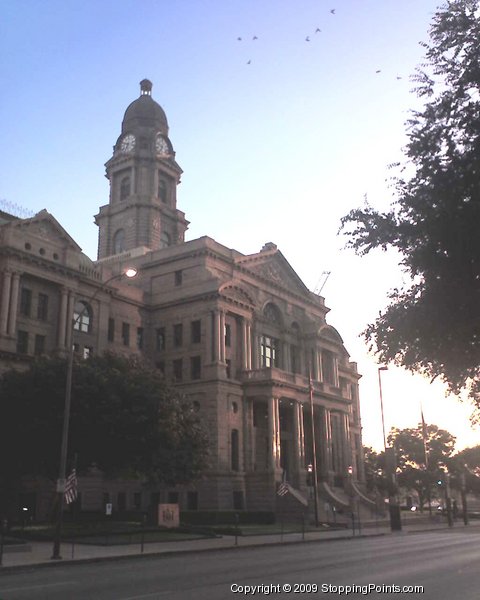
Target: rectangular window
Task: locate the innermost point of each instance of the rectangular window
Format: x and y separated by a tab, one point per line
39	347
192	500
87	351
178	369
268	351
137	500
195	367
228	335
234	450
178	278
178	335
111	330
42	307
140	338
328	367
229	368
22	342
160	338
196	332
294	355
126	334
25	302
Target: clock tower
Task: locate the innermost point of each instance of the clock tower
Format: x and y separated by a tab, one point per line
143	174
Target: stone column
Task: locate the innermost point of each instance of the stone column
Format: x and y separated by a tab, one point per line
69	320
273	433
222	336
62	319
216	336
327	441
12	317
5	301
347	448
249	346
299	438
248	444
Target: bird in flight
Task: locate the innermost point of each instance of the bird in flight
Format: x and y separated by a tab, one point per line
307	39
318	30
239	39
249	62
332	10
378	71
255	37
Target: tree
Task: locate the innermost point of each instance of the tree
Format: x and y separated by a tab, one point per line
375	477
124	418
465	466
419	464
432	325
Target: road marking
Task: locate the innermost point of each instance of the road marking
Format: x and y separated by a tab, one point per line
34	587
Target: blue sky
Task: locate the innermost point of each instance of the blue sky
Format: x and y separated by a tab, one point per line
278	137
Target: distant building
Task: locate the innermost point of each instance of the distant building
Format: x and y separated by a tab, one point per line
238	334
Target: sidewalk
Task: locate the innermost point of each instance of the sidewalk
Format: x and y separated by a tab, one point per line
39	553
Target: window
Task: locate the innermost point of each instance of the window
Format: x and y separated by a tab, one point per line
192	500
82	317
137	500
295	358
119	241
42	307
178	369
228	335
165	240
126	334
196	332
124	188
272	314
25	302
160	338
140	338
178	278
39	347
268	351
195	367
234	450
178	335
328	367
229	368
162	190
22	342
111	330
87	352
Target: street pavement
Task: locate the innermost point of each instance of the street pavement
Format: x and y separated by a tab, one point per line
39	553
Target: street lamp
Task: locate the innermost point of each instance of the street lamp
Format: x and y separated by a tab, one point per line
129	272
380	369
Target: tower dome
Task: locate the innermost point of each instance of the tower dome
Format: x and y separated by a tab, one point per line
145	112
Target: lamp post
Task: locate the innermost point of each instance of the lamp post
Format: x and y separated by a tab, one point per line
130	272
390	466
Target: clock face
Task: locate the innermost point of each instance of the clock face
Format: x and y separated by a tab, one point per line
161	145
128	143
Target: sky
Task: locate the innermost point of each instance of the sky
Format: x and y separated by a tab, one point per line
279	133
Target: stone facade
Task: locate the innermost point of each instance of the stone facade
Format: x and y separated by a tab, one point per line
241	336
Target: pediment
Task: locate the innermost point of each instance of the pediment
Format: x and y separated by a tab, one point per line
236	294
272	266
45	227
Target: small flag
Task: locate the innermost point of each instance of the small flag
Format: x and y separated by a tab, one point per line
70	493
283	489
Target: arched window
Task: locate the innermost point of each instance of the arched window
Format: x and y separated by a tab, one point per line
272	314
124	188
162	190
165	240
119	241
82	317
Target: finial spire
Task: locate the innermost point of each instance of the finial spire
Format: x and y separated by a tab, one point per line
146	87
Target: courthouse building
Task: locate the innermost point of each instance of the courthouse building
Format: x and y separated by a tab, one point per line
238	334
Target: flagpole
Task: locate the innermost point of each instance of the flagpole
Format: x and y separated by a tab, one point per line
314	450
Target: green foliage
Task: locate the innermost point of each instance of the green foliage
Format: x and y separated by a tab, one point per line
124	418
432	326
419	464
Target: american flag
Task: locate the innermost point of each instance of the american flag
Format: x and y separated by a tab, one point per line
283	489
70	493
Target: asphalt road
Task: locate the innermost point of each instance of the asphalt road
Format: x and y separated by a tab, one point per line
445	563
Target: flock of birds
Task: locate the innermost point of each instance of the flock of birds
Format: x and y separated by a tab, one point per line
307	39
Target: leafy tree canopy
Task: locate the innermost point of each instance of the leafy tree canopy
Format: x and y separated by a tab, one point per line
432	326
124	419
